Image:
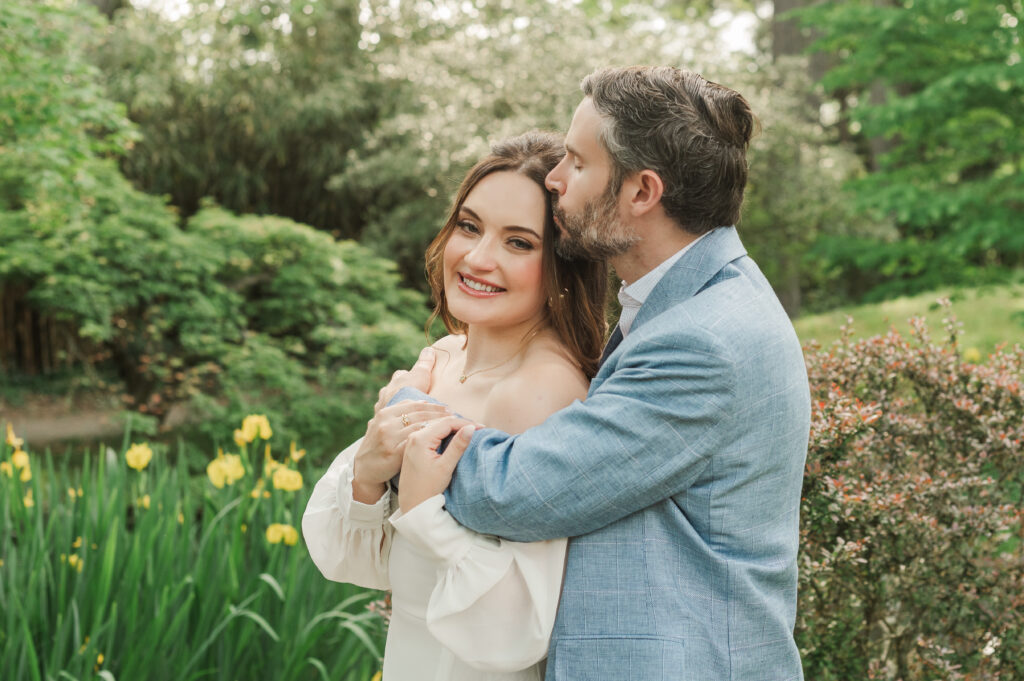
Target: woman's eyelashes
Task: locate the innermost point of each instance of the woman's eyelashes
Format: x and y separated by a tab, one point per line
521	244
518	243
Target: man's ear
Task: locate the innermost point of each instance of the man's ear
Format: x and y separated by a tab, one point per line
643	191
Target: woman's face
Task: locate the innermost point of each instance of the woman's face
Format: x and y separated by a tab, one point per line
493	258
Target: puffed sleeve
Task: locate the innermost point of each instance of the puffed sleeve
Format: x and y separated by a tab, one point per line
348	541
494	601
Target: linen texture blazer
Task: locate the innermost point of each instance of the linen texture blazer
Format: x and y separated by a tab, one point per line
678	481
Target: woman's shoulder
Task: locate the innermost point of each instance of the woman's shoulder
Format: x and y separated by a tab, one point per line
547	380
451	343
447	348
548	362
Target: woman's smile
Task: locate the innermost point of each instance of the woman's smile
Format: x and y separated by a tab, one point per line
478	287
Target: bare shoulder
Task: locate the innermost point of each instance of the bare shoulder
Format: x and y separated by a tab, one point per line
546	381
453	342
447	348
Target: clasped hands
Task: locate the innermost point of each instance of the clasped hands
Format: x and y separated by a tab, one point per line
405	437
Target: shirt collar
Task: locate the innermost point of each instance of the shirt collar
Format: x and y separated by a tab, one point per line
632	296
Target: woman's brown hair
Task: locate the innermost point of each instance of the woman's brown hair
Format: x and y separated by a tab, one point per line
575	290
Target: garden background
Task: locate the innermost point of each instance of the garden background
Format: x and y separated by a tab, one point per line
212	220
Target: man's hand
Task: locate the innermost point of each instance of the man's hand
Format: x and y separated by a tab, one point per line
418	377
424	471
379	457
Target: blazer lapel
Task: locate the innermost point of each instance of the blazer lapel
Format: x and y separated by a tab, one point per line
695	269
613	343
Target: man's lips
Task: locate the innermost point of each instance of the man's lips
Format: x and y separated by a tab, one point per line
478	287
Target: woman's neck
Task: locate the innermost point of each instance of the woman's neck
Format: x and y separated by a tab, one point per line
489	346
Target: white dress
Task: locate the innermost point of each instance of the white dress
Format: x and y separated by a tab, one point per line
465	606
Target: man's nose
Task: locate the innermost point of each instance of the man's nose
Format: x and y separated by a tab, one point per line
553	180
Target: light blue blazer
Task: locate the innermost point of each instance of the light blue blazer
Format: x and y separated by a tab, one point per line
678	480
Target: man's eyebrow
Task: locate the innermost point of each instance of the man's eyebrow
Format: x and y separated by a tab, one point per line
507	228
570	149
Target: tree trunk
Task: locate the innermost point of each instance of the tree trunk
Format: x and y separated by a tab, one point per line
108	7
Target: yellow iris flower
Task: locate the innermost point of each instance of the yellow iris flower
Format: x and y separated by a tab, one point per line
278	532
12	439
138	456
225	469
19	459
252	426
287	479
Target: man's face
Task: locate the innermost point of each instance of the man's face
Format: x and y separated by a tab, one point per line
586	208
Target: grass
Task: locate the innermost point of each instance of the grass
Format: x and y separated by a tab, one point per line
990	315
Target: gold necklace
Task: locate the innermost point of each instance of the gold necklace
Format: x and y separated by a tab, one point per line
463	377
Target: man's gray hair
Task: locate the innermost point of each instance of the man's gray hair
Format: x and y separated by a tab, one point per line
693	133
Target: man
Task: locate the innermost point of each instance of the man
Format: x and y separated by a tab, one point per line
679	478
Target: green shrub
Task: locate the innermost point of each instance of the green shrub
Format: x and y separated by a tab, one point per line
911	527
232	315
324	324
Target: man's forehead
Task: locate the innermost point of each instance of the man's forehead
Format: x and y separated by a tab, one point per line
583	131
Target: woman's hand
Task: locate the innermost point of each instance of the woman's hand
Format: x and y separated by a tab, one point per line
379	457
418	377
424	471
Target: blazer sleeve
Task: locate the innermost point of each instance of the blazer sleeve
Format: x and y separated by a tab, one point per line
348	541
645	433
486	588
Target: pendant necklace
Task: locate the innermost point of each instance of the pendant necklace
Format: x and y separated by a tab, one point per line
463	377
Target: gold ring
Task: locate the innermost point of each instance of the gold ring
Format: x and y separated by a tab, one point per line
405	419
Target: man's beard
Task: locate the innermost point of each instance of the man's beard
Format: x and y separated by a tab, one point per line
596	232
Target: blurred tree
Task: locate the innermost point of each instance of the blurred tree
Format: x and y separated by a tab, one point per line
254	103
465	75
794	193
951	112
109	7
54	118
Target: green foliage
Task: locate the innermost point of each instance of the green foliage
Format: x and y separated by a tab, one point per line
230	316
255	105
950	119
794	194
150	574
910	522
323	324
54	118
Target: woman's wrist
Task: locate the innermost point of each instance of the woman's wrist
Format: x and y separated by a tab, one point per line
368	492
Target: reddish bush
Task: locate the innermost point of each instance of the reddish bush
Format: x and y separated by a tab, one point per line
911	561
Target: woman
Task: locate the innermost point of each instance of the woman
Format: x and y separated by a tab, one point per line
526	333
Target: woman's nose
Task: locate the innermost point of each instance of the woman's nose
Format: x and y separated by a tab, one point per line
481	256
